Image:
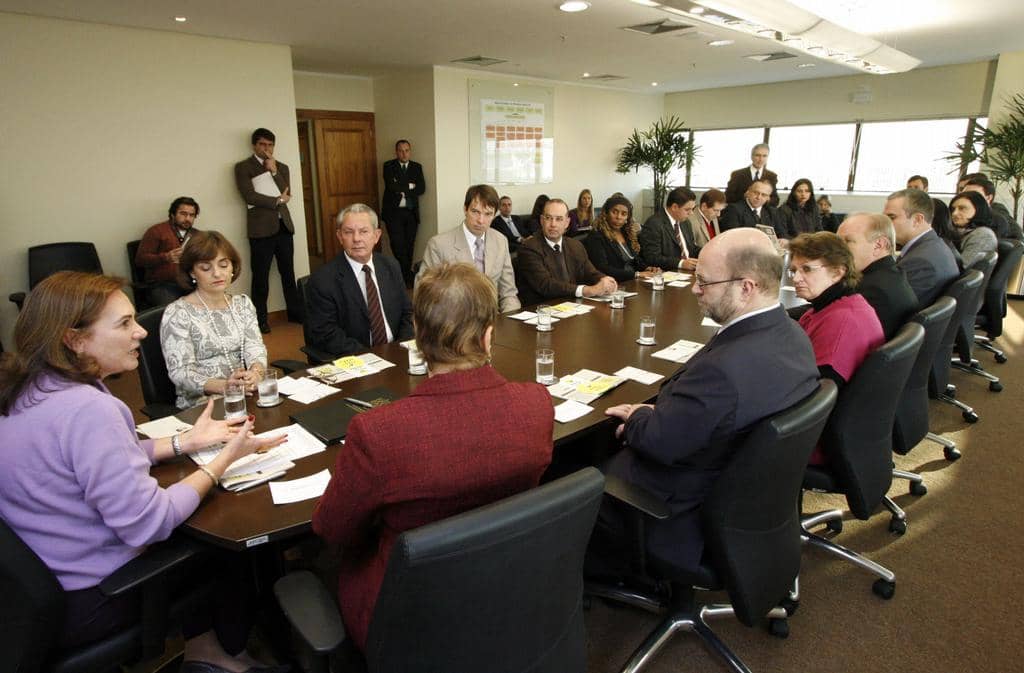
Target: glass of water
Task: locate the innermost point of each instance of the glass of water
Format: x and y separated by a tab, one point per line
545	366
234	401
544	319
267	388
618	299
417	365
646	330
658	281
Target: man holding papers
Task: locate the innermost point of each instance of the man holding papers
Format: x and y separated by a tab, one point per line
758	364
265	186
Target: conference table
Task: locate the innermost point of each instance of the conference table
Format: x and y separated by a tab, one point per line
603	340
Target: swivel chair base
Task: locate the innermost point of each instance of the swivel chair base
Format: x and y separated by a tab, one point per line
974	367
990	345
949	397
884	586
948	447
917	485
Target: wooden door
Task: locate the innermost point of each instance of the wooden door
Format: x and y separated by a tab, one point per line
313	245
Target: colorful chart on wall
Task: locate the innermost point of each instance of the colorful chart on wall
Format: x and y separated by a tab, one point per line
511	133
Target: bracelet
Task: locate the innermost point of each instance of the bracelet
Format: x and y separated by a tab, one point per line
176	444
209	474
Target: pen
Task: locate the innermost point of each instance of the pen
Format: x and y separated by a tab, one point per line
359	403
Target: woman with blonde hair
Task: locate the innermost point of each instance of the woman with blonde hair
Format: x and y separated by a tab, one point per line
581	218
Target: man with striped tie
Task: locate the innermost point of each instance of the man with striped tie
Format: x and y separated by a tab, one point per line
358	299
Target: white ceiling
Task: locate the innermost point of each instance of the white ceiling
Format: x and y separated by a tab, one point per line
372	37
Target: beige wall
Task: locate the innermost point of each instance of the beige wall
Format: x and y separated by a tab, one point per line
590	126
104	126
319	91
1009	82
948	91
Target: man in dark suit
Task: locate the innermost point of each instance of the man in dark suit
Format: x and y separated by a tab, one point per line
553	266
666	239
508	225
268	224
758	364
400	209
753	210
872	242
740	179
925	258
358	299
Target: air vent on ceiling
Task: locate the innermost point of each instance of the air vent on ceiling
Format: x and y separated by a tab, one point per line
603	78
658	27
773	56
482	61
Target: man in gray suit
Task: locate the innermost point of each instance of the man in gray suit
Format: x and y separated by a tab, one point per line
269	225
476	243
704	219
926	259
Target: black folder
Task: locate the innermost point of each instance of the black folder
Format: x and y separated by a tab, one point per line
329	422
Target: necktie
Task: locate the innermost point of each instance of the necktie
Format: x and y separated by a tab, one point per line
711	229
563	270
478	253
512	227
757	215
757	174
378	332
682	242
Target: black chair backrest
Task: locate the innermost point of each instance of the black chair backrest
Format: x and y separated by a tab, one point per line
993	308
750	518
32	611
911	424
858	437
156	384
46	260
965	332
138	273
302	284
496	589
961	290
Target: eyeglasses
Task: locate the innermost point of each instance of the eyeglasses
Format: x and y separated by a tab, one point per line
804	270
701	283
552	218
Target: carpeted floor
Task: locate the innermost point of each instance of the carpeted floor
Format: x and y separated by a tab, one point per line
957	603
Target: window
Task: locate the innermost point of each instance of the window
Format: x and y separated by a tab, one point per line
719	154
819	153
890	152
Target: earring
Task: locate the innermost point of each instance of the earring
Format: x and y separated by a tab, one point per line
192	279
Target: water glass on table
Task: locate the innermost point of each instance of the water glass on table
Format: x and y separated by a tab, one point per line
658	281
544	319
618	299
234	400
546	366
267	388
646	331
417	365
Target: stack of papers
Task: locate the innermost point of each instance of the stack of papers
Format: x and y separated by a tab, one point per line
296	490
568	309
671	276
257	468
639	375
584	386
167	426
680	351
304	390
350	367
608	297
679	283
570	410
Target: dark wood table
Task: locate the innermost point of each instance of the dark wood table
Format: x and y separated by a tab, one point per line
603	340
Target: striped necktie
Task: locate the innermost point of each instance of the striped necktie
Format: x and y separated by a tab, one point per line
378	332
478	253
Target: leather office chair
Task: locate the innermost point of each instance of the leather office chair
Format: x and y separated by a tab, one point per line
993	308
158	390
964	340
140	288
858	445
960	290
752	535
32	612
46	260
911	421
313	355
496	589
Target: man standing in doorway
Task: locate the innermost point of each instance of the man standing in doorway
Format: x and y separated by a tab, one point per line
264	184
403	185
740	179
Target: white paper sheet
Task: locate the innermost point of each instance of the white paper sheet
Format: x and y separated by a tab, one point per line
570	410
607	297
163	427
264	184
679	283
680	351
297	490
639	375
523	315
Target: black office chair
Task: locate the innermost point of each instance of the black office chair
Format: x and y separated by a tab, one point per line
140	288
993	309
960	290
495	589
32	612
46	260
858	445
313	355
911	421
158	390
964	340
752	535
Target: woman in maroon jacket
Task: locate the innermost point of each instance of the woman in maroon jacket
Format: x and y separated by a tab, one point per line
464	438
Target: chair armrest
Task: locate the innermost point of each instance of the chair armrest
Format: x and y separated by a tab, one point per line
289	366
155	561
636	497
18	298
316	357
311	610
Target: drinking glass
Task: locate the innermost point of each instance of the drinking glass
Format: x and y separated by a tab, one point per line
618	299
545	366
646	330
544	319
267	388
234	401
658	281
417	365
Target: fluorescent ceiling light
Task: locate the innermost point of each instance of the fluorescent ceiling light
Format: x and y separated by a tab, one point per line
181	19
720	43
574	6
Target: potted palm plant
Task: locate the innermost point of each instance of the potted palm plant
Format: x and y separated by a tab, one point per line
663	147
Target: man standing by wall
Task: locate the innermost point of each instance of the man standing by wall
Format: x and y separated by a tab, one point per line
264	184
403	185
740	179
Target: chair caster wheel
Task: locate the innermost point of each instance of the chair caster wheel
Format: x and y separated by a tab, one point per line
834	525
951	390
952	453
918	488
790	606
1000	358
898	526
970	416
778	628
995	386
884	588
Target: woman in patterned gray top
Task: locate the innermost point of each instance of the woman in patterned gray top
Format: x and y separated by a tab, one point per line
209	337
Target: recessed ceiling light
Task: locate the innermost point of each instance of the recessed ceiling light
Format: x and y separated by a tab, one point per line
586	74
697	10
181	19
515	83
574	6
654	84
720	43
646	3
807	65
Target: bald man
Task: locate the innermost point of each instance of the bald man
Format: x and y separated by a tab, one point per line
758	364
